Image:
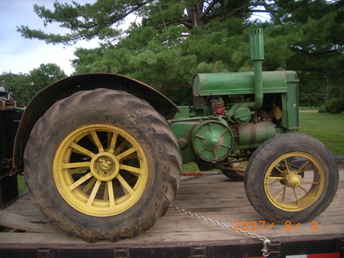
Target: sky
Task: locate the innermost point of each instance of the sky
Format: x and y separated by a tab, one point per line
20	55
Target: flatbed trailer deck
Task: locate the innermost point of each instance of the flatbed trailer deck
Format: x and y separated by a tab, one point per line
177	235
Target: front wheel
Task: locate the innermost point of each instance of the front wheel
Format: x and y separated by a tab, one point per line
291	177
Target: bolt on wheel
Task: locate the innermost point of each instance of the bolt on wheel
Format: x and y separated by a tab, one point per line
100	170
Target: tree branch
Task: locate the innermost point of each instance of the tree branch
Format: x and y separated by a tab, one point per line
114	19
316	53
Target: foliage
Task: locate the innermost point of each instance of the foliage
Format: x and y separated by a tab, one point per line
314	32
101	18
175	39
19	85
335	105
25	86
326	127
45	75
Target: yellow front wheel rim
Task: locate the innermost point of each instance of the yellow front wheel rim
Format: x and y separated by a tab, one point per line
100	170
294	181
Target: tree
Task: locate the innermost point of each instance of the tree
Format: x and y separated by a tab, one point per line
45	75
177	38
18	85
314	32
174	40
100	19
25	86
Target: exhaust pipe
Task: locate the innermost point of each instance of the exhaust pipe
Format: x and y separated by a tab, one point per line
257	57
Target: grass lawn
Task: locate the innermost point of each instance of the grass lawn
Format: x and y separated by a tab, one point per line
328	128
308	108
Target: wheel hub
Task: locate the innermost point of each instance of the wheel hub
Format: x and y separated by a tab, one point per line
293	179
105	166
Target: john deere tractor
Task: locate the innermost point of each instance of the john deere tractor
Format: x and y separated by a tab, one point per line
102	153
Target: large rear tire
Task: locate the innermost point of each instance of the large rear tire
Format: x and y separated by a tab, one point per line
291	177
100	163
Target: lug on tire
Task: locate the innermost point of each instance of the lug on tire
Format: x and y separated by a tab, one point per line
291	177
100	163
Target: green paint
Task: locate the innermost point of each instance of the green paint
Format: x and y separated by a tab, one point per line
182	131
257	57
183	112
208	84
212	141
239	113
257	45
290	104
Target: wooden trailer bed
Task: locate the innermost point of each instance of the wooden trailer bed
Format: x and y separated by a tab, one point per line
212	195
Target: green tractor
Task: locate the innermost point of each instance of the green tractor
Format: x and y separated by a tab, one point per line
102	153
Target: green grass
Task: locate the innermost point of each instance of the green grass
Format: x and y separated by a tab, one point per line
309	108
328	128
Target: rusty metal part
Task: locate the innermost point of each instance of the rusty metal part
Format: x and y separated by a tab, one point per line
64	88
239	167
277	112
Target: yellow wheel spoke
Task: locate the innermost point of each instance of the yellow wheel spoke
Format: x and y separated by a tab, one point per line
126	153
125	185
96	141
80	181
284	193
120	147
110	193
280	170
134	170
295	195
279	193
89	185
303	167
73	171
276	177
93	193
82	150
309	183
113	141
303	189
77	165
286	165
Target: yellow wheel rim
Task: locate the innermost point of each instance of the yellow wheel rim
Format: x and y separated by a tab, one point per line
294	181
100	170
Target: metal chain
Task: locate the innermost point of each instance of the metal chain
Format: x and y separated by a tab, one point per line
227	226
